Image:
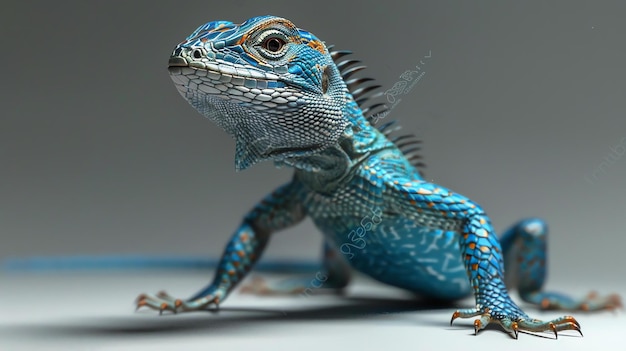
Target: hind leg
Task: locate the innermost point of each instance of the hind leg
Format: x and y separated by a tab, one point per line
333	277
525	254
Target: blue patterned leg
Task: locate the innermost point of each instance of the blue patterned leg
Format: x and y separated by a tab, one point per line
483	259
481	253
277	211
525	253
333	277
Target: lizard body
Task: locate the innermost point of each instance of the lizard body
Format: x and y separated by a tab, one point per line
279	92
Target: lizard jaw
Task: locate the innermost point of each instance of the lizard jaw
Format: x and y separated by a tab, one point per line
248	121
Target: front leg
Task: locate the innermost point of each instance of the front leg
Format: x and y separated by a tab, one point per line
434	206
277	211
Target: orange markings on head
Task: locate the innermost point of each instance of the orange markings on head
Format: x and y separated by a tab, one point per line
240	253
244	237
317	45
204	40
468	257
472	246
482	221
243	39
231	272
431	204
484	249
545	303
475	266
221	28
296	39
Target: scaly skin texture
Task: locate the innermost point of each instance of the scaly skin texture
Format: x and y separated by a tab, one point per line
277	90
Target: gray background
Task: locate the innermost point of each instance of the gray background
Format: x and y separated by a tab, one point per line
99	153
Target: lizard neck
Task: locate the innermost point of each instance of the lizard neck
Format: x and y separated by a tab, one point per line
327	170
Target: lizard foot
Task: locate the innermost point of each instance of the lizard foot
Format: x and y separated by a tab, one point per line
516	323
592	302
162	301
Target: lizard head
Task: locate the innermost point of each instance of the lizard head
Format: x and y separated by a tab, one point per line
270	85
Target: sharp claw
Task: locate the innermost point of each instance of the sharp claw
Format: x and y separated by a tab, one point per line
140	304
455	315
553	327
141	297
477	326
579	331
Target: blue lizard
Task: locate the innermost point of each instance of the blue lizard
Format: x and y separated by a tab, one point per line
287	97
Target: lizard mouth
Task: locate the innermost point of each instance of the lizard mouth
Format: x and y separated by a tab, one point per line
222	73
177	61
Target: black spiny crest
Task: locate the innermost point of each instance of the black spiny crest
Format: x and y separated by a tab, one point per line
363	90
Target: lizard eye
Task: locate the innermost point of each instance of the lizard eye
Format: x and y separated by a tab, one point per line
197	54
273	44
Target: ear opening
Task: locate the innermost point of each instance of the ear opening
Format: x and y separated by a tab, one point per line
325	79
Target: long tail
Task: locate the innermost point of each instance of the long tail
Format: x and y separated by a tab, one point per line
134	262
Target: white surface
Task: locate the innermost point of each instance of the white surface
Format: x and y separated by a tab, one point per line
80	311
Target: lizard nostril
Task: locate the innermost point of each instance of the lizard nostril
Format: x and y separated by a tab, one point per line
197	53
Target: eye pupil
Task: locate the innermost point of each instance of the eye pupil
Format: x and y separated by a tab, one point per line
197	54
274	44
